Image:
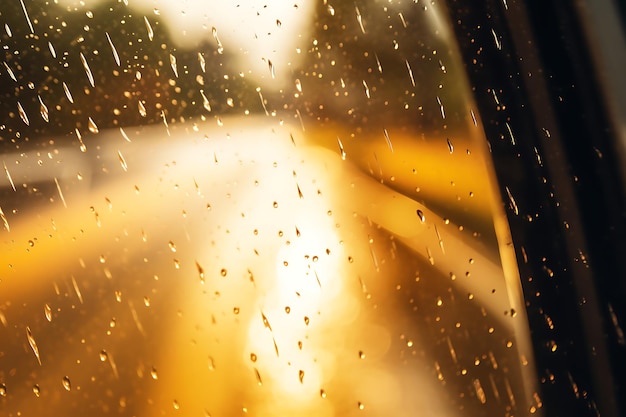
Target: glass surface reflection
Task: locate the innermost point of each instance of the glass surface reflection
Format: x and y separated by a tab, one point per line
282	210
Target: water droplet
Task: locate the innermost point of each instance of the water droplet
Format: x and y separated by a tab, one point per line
93	128
52	51
172	246
87	70
301	376
47	312
341	150
388	140
43	110
142	109
271	67
10	72
211	364
154	374
36	390
205	101
33	344
3	390
103	355
258	377
298	85
176	405
236	310
149	28
408	67
421	215
360	405
441	109
30	24
367	89
68	94
322	393
220	48
359	19
480	393
287	309
123	163
378	64
266	322
113	50
8	174
200	272
66	383
513	204
5	222
223	272
253	357
361	354
306	320
22	114
202	61
56	181
174	65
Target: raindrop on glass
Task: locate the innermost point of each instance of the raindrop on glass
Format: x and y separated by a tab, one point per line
123	163
66	383
22	114
48	312
68	94
149	28
33	344
142	109
87	70
43	110
220	48
93	128
200	272
174	65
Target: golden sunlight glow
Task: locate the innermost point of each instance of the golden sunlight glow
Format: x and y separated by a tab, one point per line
278	260
241	265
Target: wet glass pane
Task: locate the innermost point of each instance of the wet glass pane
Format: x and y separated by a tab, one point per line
231	209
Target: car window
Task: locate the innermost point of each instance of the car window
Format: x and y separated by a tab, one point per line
243	208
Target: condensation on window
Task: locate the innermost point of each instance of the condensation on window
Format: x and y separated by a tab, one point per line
238	208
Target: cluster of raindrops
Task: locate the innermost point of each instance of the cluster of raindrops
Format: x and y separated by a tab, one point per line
77	71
